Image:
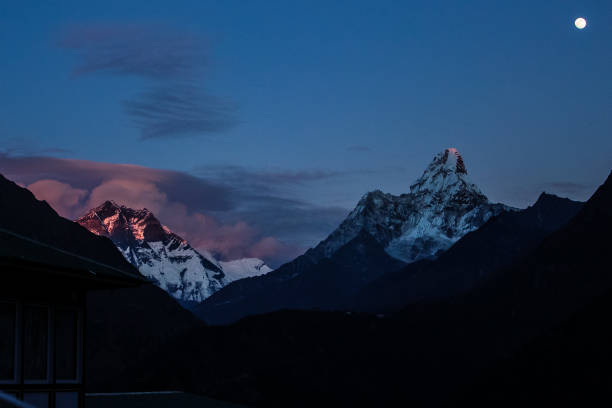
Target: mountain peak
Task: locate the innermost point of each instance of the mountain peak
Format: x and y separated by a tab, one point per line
124	224
546	197
448	160
164	257
453	159
442	206
446	178
113	206
107	206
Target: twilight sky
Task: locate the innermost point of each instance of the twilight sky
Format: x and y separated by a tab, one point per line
251	128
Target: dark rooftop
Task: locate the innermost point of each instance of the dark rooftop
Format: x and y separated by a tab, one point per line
17	248
154	400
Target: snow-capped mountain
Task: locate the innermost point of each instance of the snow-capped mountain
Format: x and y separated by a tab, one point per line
245	267
443	205
381	235
164	257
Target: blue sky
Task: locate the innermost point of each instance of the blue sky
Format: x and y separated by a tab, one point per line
344	97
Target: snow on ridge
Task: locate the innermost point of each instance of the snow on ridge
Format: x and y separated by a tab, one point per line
164	257
442	206
244	268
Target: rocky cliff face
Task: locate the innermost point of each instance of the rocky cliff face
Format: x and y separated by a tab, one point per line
164	257
443	205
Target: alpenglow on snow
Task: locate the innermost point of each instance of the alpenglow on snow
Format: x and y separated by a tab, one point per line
443	205
164	257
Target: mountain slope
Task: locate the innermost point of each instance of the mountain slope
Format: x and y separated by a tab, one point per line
125	325
426	353
243	268
302	284
475	258
164	257
567	275
377	237
121	323
568	366
563	272
442	206
22	213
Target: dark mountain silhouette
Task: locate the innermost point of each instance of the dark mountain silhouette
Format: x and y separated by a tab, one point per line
475	258
129	325
302	283
567	366
362	276
426	355
23	214
442	206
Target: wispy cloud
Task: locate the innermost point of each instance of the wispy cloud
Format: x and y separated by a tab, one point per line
264	179
145	50
175	103
178	110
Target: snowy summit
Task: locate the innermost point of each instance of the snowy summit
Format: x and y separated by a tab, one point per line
162	256
443	205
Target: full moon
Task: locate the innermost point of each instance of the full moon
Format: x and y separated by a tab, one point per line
580	23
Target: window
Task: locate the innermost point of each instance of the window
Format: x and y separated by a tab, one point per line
66	344
37	399
8	322
41	353
66	399
35	342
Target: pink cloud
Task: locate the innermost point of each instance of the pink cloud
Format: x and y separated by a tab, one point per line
61	196
204	232
223	214
232	240
266	247
131	193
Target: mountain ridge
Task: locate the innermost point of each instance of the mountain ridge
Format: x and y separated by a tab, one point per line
164	257
443	206
476	258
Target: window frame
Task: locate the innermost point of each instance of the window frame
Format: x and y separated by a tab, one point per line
17	346
50	344
19	386
79	346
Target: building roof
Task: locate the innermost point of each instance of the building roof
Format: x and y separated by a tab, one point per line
154	399
16	249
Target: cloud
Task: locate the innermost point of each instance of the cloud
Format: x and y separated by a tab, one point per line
178	110
230	240
265	248
199	194
145	50
263	180
61	196
224	217
173	60
132	193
